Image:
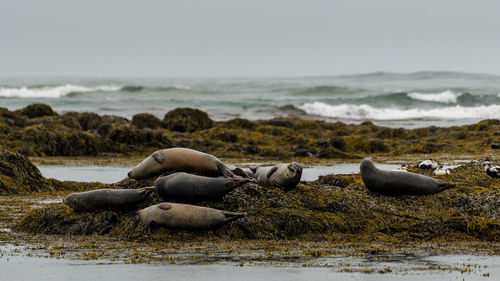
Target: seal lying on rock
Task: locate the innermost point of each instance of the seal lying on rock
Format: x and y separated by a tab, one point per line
185	187
182	160
284	176
397	183
116	199
185	216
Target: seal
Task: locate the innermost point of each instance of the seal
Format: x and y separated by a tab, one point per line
116	199
397	183
284	176
180	160
186	187
186	216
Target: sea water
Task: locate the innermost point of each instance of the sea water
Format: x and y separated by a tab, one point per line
389	99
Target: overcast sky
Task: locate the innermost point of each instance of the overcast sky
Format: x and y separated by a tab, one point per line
246	38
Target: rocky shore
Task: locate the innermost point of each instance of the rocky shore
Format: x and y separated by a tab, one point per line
37	130
331	211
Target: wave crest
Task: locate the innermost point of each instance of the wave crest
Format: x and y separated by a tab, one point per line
443	97
364	111
52	91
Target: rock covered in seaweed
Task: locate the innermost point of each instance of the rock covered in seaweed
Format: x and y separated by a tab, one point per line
18	174
333	208
187	120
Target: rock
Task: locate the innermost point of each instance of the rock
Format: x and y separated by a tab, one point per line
146	120
280	123
37	110
239	123
89	120
338	143
18	174
187	120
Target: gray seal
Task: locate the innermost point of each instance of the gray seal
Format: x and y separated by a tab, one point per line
185	216
180	160
186	187
284	176
115	199
397	183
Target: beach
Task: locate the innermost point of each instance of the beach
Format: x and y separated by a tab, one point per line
330	222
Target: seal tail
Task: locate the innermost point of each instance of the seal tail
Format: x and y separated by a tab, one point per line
231	216
446	185
225	171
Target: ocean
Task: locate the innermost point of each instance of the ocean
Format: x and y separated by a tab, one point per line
390	99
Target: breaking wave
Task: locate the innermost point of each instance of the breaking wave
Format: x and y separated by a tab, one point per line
52	91
443	97
364	111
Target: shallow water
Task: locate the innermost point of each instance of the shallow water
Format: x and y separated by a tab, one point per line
16	265
111	174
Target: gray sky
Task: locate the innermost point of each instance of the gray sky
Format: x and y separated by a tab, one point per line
246	38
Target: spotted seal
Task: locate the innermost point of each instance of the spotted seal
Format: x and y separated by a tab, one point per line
181	160
116	199
397	183
186	216
284	176
186	187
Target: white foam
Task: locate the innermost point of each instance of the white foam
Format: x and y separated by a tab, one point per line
443	97
364	111
52	91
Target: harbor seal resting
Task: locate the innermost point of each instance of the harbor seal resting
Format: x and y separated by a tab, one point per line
284	176
116	199
185	187
397	183
185	216
181	160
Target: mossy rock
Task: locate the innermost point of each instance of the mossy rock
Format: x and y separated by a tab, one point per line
89	120
18	174
239	123
146	120
37	110
187	120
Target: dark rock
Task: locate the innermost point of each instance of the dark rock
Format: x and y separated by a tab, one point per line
280	123
331	153
89	120
252	149
146	120
338	143
18	174
239	123
375	146
37	110
187	120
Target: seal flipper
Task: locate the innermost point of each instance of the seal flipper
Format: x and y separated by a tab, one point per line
230	216
276	184
240	172
225	171
235	182
158	157
271	172
147	190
